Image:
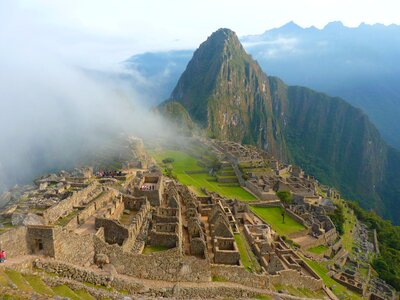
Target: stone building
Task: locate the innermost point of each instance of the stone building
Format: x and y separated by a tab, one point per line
150	186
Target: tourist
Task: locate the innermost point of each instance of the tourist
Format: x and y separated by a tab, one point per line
2	256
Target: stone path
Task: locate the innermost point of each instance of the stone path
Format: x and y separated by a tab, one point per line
18	260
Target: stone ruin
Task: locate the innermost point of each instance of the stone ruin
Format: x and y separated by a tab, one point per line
86	221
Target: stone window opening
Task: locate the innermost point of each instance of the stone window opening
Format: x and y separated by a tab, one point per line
38	245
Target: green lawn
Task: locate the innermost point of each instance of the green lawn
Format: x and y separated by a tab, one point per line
84	295
64	221
273	216
19	280
183	162
216	278
301	292
347	237
65	291
318	249
247	256
30	283
38	285
339	290
4	280
151	249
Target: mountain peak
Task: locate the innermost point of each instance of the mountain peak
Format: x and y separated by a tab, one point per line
221	37
334	25
223	32
291	26
225	91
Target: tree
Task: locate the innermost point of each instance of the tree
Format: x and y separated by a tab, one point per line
285	196
168	160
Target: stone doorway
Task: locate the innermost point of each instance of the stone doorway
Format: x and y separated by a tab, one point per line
38	246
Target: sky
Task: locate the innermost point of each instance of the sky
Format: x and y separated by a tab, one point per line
51	108
99	33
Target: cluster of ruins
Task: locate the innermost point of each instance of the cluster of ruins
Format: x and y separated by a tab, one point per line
150	226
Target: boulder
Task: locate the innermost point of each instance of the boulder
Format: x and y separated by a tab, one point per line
101	260
26	219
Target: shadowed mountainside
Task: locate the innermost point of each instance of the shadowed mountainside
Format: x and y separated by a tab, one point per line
225	91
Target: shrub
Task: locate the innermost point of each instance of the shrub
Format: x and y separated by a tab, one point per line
285	196
168	160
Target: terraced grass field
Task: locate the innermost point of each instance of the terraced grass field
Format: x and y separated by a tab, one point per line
273	216
318	249
348	226
339	290
301	292
184	164
34	283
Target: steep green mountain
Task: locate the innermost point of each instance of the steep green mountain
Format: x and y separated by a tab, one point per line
338	144
177	115
225	91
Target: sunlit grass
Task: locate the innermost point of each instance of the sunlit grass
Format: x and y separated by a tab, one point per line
273	216
184	164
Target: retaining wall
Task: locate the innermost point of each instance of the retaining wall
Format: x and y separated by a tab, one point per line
167	265
66	206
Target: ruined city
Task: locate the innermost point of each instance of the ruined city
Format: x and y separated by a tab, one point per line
144	231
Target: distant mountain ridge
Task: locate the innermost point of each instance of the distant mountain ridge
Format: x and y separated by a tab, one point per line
358	64
225	92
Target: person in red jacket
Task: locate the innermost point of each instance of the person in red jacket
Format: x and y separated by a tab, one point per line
2	256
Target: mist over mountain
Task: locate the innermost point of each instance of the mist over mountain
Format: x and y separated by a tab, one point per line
357	64
159	70
61	116
227	94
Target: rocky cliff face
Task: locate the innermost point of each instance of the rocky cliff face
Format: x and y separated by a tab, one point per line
225	91
332	140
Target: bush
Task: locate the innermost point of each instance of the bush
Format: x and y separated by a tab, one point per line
285	196
388	263
338	219
169	173
168	160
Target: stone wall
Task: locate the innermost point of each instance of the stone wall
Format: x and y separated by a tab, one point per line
167	265
166	239
41	239
259	193
226	251
153	196
176	291
296	217
326	239
84	275
296	279
14	242
239	275
114	232
86	213
133	203
66	206
74	248
166	215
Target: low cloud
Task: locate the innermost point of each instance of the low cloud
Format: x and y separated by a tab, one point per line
54	111
276	47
